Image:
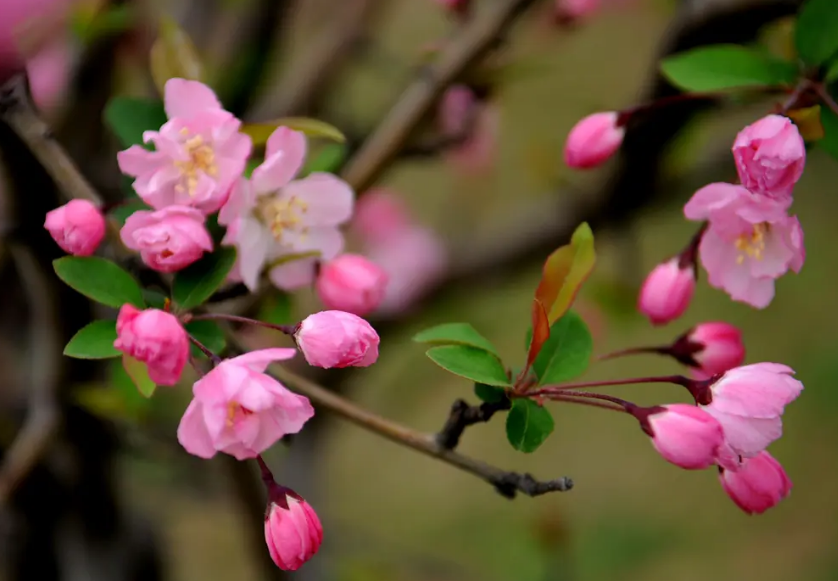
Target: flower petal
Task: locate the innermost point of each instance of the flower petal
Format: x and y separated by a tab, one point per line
329	199
185	98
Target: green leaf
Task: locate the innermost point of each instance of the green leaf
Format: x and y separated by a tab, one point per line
209	334
470	362
829	143
94	341
124	211
100	280
726	66
128	117
831	72
173	55
528	425
455	334
816	33
328	160
259	132
196	283
138	372
277	309
154	299
489	393
567	353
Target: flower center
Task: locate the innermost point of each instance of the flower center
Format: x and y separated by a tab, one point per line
201	159
281	214
752	245
236	411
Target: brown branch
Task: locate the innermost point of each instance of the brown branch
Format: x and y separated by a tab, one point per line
42	418
463	415
474	41
508	484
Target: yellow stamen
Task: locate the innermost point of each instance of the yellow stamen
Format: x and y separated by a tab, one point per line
753	245
201	159
283	214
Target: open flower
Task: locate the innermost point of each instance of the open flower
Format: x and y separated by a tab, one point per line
271	217
240	410
199	153
749	243
749	402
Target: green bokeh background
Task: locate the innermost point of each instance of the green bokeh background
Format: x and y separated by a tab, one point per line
391	514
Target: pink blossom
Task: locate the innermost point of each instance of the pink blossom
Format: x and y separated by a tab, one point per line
758	485
272	218
49	73
749	243
292	530
240	410
25	27
169	239
593	140
351	283
78	227
380	215
472	125
337	339
770	155
414	261
667	291
156	338
683	434
576	9
748	402
199	153
712	347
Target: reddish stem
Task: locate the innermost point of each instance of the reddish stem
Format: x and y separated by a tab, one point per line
577	399
287	329
553	389
664	350
205	350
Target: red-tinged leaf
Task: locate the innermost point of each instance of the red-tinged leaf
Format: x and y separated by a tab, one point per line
564	272
540	333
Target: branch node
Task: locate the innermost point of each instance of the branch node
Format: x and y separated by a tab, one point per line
463	415
511	483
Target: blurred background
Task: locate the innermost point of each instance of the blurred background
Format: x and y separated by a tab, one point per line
117	498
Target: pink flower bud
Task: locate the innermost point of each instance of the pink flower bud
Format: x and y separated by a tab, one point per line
25	25
379	216
758	485
337	339
683	434
711	348
749	402
169	239
569	10
667	291
156	338
292	530
78	227
351	283
593	140
770	155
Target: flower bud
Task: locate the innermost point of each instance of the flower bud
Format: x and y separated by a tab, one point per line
758	485
292	530
336	339
683	434
710	348
667	291
593	140
169	239
379	216
351	283
77	227
156	338
770	155
572	10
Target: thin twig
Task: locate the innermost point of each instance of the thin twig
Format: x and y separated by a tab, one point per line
42	416
826	98
474	41
506	483
463	415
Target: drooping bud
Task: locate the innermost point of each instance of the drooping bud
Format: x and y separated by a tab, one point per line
156	338
684	435
710	348
593	140
667	291
759	484
78	227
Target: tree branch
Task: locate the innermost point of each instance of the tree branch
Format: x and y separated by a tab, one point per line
463	415
474	41
508	484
